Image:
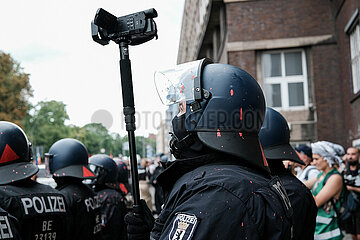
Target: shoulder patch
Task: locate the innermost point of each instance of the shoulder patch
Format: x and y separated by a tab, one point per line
183	226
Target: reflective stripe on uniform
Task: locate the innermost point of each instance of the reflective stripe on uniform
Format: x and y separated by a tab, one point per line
324	220
328	235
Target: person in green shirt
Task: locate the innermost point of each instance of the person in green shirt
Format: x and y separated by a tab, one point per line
327	156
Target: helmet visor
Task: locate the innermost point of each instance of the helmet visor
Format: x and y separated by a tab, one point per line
48	159
179	83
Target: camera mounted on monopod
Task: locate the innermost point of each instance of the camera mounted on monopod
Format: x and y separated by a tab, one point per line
132	29
135	29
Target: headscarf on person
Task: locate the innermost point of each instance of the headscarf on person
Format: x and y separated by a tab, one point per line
331	152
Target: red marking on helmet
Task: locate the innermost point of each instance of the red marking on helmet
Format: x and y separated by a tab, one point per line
8	155
218	133
250	181
241	117
192	77
87	173
263	156
123	188
232	92
242	224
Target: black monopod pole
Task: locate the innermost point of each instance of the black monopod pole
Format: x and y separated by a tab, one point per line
129	112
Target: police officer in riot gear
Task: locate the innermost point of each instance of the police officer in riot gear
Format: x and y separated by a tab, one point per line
275	137
40	210
219	187
9	226
113	208
67	161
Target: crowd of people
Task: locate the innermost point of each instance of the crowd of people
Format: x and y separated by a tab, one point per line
233	177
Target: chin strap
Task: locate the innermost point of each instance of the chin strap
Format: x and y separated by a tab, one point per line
177	146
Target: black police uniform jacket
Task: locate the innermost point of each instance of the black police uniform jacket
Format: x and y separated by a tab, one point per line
211	197
113	211
302	202
40	210
84	206
9	226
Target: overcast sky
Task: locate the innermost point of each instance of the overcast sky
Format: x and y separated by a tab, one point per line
52	42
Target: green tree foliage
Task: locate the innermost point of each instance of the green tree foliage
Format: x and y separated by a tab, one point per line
94	136
15	90
45	123
141	143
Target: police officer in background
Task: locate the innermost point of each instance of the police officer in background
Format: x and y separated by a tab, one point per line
67	161
275	140
40	210
9	226
159	195
113	208
219	187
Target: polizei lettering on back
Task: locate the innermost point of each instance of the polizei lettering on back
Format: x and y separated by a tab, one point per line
5	229
43	204
92	203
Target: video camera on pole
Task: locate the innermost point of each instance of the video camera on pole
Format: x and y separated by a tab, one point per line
136	28
133	29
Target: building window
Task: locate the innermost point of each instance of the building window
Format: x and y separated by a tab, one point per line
355	58
285	79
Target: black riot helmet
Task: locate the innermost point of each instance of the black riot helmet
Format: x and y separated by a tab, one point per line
223	108
68	157
275	138
15	154
104	167
122	176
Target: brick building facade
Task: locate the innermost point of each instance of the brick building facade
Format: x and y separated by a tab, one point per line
304	54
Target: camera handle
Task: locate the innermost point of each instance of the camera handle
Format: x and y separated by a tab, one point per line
129	112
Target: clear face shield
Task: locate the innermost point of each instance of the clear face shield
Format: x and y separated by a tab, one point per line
100	173
181	83
48	158
95	169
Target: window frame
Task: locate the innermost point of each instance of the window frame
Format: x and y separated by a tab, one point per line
355	82
285	80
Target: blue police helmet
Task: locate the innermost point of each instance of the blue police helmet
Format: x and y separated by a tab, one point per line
68	157
225	107
275	138
104	168
15	154
232	117
123	175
